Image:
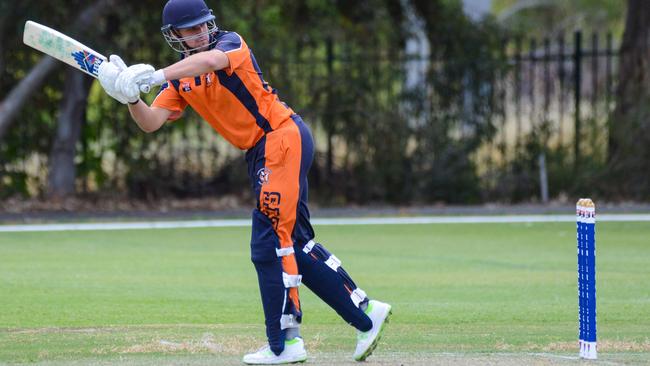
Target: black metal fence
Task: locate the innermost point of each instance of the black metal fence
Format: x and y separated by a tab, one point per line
557	97
549	107
569	85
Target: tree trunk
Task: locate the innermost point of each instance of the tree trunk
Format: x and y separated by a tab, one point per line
629	144
19	95
72	115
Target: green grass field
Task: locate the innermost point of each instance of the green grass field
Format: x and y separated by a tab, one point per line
461	294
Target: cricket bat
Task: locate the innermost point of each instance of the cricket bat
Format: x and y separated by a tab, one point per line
66	49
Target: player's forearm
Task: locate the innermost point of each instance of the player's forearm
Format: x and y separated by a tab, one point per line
197	64
145	117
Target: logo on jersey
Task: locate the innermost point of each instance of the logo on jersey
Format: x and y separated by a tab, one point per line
87	61
186	87
263	176
208	79
270	206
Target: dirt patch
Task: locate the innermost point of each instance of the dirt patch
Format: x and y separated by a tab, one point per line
57	330
207	344
117	204
604	345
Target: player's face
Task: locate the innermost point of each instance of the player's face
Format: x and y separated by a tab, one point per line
200	42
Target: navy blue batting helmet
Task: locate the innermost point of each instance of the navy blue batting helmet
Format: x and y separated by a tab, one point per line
181	14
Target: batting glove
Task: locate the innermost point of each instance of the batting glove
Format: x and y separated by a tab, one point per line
128	81
108	73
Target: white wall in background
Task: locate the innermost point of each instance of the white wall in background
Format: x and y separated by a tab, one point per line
477	9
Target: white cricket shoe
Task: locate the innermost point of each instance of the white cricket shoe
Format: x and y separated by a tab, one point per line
294	351
367	341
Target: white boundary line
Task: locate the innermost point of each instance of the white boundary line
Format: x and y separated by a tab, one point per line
510	219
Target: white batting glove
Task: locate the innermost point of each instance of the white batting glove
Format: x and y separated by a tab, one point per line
128	81
108	73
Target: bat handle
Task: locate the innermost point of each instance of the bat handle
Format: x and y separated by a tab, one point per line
145	88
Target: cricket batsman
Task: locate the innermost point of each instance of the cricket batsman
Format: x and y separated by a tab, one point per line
220	79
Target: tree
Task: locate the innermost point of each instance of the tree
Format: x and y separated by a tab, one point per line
629	145
465	60
72	115
19	95
547	17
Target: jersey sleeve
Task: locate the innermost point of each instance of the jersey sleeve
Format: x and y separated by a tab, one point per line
169	98
233	45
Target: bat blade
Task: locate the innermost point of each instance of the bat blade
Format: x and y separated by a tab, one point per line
66	49
62	48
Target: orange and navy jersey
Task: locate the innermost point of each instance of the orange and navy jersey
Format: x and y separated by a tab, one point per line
235	101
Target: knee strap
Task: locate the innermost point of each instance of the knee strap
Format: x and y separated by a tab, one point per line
289	321
333	262
291	280
358	296
324	255
283	252
309	246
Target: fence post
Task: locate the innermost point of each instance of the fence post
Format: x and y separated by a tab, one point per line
561	94
518	93
532	64
543	177
329	114
577	75
608	71
547	79
595	72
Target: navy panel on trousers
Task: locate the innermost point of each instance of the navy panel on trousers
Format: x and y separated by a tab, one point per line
267	264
